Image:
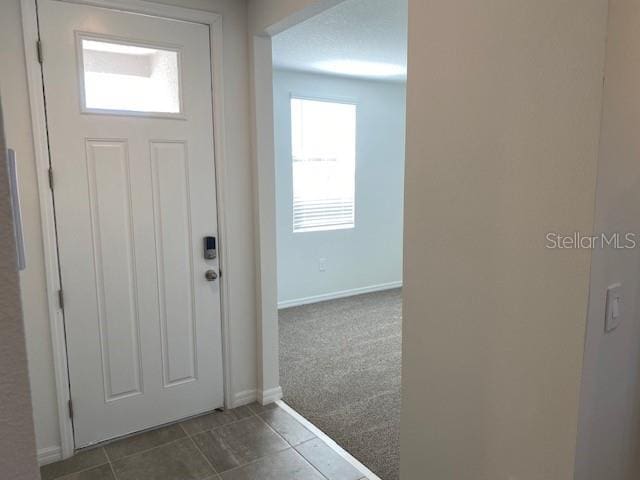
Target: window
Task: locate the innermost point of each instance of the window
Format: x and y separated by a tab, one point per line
129	78
323	137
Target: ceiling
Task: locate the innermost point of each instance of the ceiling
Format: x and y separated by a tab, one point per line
359	38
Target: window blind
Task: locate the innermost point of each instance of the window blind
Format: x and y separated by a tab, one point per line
323	147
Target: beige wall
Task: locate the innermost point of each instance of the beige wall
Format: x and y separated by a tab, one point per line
503	113
17	441
32	281
240	228
610	407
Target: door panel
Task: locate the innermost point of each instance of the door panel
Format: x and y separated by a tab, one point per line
172	215
129	114
112	235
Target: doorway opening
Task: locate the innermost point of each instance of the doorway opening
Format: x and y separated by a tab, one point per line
339	128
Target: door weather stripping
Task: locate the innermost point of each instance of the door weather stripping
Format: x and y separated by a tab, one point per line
39	51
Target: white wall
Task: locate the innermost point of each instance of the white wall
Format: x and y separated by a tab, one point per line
239	188
370	255
610	404
503	116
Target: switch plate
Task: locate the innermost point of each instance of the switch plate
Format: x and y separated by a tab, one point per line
322	264
614	307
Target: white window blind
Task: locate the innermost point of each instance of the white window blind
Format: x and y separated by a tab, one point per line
323	138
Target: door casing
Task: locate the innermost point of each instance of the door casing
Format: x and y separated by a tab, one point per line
50	247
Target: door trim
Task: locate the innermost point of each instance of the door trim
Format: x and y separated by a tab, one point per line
47	214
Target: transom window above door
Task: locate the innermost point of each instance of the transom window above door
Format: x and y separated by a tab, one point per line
126	78
323	145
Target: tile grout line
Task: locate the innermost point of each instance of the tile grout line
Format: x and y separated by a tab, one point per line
271	455
106	454
113	471
179	424
253	414
282	436
150	449
213	428
116	440
215	471
80	471
256	460
257	415
189	436
328	441
291	446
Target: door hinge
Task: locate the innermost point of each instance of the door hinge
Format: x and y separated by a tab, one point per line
51	178
70	408
61	299
39	51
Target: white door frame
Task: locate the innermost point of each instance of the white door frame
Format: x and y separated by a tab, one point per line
38	120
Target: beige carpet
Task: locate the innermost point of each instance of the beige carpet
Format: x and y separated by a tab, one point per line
340	368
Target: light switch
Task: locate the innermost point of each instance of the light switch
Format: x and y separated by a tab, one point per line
614	307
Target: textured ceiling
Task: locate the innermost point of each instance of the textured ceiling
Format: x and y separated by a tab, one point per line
362	38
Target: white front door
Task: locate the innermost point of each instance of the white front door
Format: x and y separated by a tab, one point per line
129	115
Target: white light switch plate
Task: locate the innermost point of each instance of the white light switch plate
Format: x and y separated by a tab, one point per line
322	264
614	307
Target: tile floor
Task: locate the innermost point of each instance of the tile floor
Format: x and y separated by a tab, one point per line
246	443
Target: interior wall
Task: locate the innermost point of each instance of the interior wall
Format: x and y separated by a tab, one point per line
609	433
369	256
13	87
268	17
17	442
503	119
239	194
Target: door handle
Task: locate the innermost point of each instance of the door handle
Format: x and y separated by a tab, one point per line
210	275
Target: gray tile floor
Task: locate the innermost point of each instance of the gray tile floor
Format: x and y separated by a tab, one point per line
246	443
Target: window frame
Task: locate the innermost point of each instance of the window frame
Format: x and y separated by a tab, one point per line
326	99
82	35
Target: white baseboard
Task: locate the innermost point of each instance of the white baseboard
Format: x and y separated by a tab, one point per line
250	396
366	473
270	396
244	398
49	455
296	302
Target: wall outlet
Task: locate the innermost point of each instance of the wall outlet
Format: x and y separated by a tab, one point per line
322	264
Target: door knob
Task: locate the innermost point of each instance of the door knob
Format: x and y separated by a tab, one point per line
210	275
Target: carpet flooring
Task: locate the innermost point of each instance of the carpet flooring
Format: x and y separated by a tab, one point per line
340	368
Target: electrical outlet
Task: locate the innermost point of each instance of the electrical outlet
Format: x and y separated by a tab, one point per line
322	264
